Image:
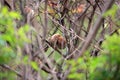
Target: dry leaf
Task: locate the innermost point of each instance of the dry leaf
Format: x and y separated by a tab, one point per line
79	9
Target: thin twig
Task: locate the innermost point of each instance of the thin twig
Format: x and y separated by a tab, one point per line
93	31
9	68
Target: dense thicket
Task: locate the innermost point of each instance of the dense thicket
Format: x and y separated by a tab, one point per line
59	39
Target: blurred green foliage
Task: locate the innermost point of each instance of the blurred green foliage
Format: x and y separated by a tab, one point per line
111	12
104	67
11	40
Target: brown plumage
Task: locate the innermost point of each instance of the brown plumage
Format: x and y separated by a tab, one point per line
57	41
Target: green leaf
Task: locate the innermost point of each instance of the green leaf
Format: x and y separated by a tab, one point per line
111	12
4	10
22	33
15	15
25	59
34	65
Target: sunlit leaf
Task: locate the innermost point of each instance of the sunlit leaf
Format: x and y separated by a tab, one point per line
111	12
15	15
34	65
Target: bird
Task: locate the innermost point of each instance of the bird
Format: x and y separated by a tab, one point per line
57	41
